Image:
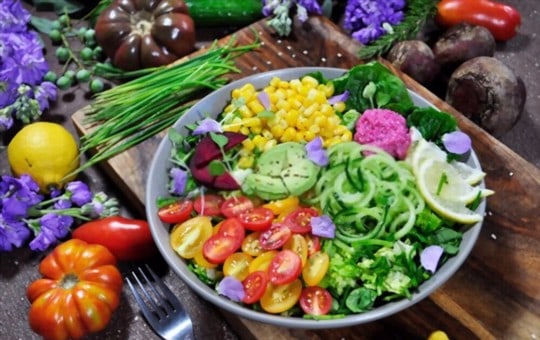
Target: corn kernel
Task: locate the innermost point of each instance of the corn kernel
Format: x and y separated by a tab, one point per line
248	144
270	144
248	88
295	84
291	117
315	129
327	110
283	105
255	106
339	106
329	90
259	141
275	81
245	111
245	162
251	122
236	93
267	134
309	82
309	135
302	123
284	84
299	137
244	130
288	134
294	102
256	129
346	136
277	131
311	109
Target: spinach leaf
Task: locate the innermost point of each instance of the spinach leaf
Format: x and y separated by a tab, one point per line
361	299
431	123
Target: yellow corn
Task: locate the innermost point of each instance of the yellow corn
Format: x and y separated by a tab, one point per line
255	106
248	144
246	162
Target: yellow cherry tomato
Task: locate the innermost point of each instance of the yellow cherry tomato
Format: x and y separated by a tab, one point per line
284	206
237	265
280	298
262	262
251	244
315	268
188	237
202	261
298	244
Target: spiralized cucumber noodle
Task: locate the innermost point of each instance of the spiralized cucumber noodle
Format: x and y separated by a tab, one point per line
370	196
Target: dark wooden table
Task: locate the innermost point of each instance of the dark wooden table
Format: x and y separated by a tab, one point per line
502	276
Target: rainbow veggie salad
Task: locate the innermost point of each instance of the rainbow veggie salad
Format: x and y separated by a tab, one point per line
320	198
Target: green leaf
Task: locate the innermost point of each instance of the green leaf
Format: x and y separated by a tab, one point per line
216	168
361	299
43	25
219	139
175	137
265	114
60	6
165	201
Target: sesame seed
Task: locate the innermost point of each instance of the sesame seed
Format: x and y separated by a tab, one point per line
289	47
489	213
510	174
279	41
268	62
493	236
280	53
323	59
254	68
339	55
293	55
305	52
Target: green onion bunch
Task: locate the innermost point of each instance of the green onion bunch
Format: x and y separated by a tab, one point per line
132	112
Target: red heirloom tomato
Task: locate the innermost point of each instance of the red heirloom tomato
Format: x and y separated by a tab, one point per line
128	239
138	34
80	289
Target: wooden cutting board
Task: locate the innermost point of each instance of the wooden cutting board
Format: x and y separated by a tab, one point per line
495	294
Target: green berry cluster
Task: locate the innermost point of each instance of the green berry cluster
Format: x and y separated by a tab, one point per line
78	62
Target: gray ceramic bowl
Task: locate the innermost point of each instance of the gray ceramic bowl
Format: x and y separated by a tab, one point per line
157	187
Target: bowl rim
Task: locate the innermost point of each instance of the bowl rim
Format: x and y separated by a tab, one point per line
156	186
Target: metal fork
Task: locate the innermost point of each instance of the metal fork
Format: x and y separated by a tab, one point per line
161	308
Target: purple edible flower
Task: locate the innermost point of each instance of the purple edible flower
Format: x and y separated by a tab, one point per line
179	180
80	192
430	256
207	125
366	19
231	288
264	99
53	228
339	98
323	226
12	234
44	93
316	153
457	142
13	17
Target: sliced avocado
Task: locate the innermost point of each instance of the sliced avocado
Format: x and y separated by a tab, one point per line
300	176
266	187
271	162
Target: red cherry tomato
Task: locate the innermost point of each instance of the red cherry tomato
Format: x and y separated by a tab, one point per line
257	219
234	206
176	212
285	267
208	205
233	228
254	286
218	247
299	221
315	300
275	237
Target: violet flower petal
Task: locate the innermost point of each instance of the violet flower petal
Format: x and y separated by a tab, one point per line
179	180
457	142
339	98
323	226
80	192
429	258
316	153
207	125
264	99
231	288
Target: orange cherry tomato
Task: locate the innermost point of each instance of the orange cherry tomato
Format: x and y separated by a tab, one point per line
237	265
236	205
257	219
280	298
188	237
208	205
299	221
254	286
315	300
251	244
275	237
218	247
298	244
262	262
285	267
315	268
284	206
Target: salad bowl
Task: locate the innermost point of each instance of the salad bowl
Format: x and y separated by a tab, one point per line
157	183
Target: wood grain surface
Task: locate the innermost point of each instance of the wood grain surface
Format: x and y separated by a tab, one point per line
495	294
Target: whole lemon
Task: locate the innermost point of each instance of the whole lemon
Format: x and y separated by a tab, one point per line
45	151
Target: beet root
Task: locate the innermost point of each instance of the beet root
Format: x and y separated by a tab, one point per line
415	58
461	43
485	90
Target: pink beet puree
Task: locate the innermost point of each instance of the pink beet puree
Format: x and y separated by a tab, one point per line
385	129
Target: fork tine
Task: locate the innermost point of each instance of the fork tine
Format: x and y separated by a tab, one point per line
171	298
161	300
155	308
144	308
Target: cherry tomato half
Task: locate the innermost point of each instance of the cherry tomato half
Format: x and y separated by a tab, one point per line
257	219
251	244
176	212
237	265
232	227
254	286
188	237
234	206
275	237
315	300
299	221
218	247
262	262
298	244
315	268
278	299
285	267
208	205
313	243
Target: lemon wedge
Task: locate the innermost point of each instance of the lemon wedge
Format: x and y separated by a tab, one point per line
446	192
